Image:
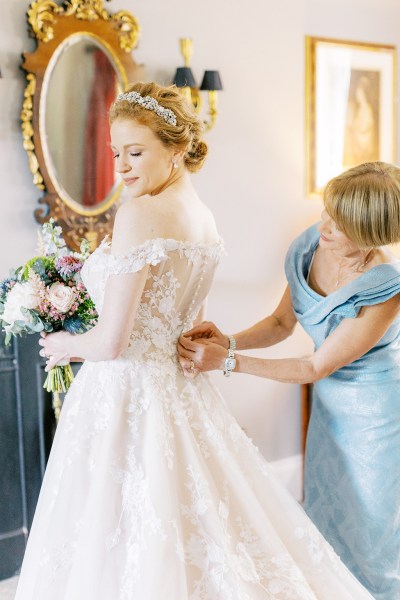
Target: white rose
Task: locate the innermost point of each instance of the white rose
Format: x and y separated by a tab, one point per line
61	296
21	295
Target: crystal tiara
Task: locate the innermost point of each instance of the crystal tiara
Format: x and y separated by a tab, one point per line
149	103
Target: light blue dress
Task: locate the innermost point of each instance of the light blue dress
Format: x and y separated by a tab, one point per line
352	470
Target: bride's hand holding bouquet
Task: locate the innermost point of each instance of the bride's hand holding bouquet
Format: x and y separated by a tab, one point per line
45	295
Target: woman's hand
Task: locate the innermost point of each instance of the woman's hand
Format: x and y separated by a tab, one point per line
193	357
210	331
55	348
200	355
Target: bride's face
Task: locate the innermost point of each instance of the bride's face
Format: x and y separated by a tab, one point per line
141	159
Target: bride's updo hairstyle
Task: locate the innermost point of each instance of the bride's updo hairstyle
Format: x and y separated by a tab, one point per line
184	132
364	202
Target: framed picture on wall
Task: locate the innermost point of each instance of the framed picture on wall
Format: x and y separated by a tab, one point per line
350	107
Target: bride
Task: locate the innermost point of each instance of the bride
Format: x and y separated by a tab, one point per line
152	490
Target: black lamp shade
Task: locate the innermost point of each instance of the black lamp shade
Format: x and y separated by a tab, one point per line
184	77
211	81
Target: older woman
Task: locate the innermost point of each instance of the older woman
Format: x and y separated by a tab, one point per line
344	289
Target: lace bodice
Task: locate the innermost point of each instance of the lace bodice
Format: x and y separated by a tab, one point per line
179	280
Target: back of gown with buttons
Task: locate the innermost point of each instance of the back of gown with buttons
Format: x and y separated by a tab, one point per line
152	490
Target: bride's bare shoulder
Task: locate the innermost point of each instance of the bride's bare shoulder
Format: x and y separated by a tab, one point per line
162	216
136	221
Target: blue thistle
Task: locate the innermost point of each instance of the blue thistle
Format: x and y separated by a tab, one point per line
5	286
74	325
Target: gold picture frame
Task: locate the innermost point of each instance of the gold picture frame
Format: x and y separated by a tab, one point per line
350	107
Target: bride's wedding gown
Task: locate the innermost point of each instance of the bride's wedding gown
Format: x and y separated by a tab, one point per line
152	490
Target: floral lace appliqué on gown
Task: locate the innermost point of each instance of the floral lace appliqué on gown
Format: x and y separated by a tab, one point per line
152	490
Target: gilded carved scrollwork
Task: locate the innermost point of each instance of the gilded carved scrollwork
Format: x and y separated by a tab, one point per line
27	131
86	25
129	30
41	17
88	10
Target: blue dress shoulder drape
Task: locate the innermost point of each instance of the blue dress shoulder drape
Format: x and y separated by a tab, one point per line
352	465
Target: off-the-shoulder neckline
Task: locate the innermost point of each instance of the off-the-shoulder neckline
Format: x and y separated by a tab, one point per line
107	240
181	244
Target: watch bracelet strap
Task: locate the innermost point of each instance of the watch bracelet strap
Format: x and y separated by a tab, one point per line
232	346
231	354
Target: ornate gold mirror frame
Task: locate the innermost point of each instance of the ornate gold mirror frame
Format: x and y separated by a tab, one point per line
86	25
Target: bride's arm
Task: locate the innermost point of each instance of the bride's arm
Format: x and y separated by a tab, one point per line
348	342
110	336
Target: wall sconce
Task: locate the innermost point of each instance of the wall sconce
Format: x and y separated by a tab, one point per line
184	79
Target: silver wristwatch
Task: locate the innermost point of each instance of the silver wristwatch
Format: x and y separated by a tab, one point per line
230	361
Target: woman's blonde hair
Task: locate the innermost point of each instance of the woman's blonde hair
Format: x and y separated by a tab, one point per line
364	202
186	135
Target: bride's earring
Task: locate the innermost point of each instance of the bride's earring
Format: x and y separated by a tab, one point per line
175	163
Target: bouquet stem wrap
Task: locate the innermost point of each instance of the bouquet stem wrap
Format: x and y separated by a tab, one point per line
59	379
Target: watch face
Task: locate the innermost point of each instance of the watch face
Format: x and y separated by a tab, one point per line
230	364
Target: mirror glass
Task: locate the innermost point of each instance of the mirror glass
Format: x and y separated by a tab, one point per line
81	84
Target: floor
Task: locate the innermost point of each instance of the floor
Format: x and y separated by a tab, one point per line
8	588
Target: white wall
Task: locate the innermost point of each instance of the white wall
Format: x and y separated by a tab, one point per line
254	176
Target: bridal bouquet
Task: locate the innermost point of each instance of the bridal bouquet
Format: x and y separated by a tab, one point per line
47	294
